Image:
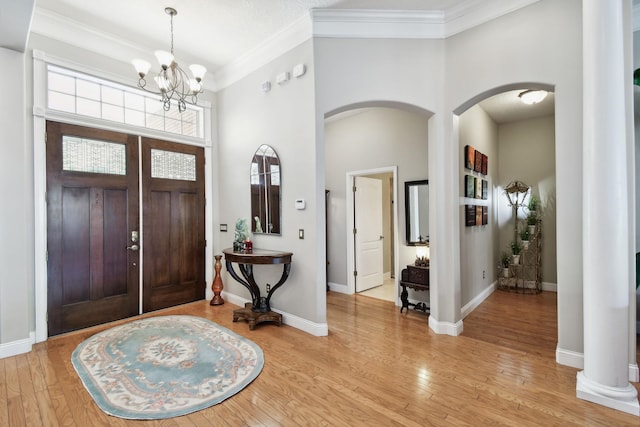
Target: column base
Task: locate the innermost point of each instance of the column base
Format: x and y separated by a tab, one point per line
623	399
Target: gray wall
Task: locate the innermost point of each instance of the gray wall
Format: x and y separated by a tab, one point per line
284	119
16	199
479	244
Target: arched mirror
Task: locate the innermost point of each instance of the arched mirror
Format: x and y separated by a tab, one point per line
265	191
416	202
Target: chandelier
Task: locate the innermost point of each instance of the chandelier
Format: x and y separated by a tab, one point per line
174	84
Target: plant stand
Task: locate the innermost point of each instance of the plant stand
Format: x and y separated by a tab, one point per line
526	277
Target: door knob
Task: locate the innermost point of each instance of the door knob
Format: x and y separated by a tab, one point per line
133	247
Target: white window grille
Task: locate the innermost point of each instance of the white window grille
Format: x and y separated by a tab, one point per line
78	93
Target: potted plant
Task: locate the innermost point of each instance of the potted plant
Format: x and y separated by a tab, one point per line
534	202
532	221
524	237
505	260
516	247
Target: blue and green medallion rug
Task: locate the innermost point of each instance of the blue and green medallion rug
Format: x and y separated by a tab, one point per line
165	366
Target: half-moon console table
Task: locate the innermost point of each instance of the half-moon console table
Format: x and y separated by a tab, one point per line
258	310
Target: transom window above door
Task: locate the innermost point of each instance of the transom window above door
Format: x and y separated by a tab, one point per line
73	92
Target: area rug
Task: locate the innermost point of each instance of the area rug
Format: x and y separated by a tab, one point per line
165	366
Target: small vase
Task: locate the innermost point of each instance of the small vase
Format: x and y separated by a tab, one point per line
532	230
505	272
516	259
525	244
217	285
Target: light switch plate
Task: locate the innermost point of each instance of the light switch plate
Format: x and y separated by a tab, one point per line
301	233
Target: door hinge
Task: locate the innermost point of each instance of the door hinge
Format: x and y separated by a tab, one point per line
354	188
355	231
205	243
46	256
355	273
46	317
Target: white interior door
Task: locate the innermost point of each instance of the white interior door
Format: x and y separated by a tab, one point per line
368	224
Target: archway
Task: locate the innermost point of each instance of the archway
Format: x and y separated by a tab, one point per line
361	139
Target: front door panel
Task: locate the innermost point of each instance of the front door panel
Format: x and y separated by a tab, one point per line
173	236
92	207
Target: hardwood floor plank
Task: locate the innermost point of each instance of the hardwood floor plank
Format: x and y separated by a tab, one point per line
27	392
376	367
4	410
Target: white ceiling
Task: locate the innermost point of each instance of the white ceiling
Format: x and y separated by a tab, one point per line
218	32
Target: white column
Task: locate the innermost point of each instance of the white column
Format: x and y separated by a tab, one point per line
606	207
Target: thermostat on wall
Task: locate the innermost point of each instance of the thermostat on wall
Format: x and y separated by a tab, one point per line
300	204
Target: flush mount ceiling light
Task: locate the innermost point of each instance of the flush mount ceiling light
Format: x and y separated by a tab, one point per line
172	81
532	96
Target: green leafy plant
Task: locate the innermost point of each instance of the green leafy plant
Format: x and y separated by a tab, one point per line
532	218
516	247
534	202
524	234
242	230
505	260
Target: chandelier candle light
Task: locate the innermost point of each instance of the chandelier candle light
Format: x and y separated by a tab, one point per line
173	82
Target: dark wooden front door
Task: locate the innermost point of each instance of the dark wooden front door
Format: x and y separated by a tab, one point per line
173	223
92	210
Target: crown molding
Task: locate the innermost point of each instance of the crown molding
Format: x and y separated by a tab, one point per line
391	24
475	12
273	47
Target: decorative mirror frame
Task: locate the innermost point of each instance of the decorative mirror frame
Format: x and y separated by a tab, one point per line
422	238
265	177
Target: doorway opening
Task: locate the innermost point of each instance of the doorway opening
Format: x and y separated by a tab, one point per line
374	233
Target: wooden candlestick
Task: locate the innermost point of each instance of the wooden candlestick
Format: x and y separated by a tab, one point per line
217	283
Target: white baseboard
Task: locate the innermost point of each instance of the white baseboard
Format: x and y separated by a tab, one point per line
316	329
569	358
576	360
14	348
445	328
474	303
551	287
337	287
634	374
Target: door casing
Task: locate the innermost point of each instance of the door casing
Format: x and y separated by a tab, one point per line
350	204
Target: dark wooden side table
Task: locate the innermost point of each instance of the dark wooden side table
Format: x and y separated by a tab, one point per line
416	278
259	309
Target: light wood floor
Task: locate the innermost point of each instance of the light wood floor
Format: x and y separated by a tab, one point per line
377	367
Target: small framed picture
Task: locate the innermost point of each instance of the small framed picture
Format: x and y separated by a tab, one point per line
469	157
469	186
485	189
479	215
470	215
478	162
485	165
485	215
479	188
